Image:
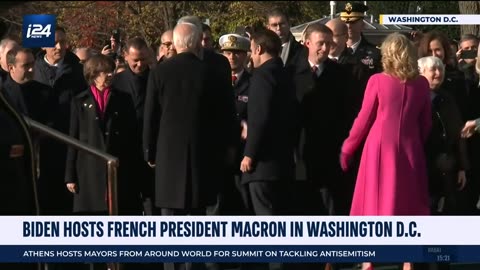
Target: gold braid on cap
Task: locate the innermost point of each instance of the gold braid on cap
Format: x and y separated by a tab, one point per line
348	8
232	40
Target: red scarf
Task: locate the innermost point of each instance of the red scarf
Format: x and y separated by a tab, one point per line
101	97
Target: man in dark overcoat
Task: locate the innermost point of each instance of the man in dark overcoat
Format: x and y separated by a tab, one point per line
323	106
187	121
220	72
133	82
61	70
268	156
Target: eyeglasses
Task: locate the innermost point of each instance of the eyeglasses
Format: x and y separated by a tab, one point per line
275	25
167	44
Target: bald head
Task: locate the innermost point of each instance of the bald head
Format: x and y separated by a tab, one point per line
166	48
186	37
340	36
337	26
167	36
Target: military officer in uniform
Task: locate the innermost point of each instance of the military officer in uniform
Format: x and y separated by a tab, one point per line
235	48
357	44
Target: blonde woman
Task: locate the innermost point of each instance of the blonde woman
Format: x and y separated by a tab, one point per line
395	119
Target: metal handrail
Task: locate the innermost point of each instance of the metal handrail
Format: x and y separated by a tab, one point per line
112	162
112	165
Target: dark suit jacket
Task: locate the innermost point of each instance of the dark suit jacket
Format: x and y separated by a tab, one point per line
271	122
18	188
115	134
369	55
32	98
241	95
445	138
67	81
135	86
187	118
360	73
241	102
324	110
220	75
295	56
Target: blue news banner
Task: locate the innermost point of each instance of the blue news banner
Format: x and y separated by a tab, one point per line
246	254
239	239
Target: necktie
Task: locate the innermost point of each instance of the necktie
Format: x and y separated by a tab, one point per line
314	71
350	50
234	79
334	59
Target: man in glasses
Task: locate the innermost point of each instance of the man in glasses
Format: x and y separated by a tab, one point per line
83	54
277	21
166	49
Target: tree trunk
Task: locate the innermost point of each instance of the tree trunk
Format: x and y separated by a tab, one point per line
469	7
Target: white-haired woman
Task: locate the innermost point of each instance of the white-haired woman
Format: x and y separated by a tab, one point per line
447	156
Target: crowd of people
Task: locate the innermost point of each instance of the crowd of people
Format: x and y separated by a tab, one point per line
264	125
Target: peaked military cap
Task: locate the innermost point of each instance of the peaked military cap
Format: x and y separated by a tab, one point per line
234	42
353	11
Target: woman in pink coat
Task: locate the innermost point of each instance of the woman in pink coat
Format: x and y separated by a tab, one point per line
395	119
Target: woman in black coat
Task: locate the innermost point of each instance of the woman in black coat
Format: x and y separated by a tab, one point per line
447	156
105	119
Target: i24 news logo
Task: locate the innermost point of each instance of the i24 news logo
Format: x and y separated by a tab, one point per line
39	31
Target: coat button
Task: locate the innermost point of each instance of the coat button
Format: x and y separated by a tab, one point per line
106	133
116	132
96	118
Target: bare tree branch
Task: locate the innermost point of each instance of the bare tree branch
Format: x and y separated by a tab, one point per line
10	21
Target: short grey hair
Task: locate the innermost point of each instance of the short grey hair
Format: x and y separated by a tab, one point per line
186	39
429	62
191	19
5	42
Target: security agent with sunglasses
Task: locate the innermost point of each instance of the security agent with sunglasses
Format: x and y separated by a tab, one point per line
357	45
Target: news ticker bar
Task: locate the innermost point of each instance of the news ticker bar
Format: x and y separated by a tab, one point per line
242	254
